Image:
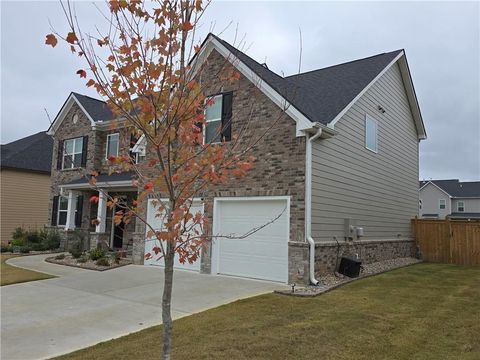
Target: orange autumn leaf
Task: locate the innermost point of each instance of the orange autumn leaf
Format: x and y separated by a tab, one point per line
71	38
187	26
51	40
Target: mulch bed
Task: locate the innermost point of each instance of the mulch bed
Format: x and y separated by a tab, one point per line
89	264
329	282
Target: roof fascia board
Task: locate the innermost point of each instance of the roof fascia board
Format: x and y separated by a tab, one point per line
361	93
140	143
438	187
63	112
104	184
301	120
412	97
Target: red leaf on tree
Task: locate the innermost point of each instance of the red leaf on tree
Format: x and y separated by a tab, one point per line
111	158
51	40
94	173
157	250
187	26
152	162
94	199
148	186
82	73
71	38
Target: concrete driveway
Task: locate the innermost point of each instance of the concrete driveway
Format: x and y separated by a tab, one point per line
41	319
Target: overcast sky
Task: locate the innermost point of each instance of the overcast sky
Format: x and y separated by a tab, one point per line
441	39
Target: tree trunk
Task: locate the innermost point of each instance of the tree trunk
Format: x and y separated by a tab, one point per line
166	303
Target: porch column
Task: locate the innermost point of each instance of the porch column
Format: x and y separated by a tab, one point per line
102	211
72	207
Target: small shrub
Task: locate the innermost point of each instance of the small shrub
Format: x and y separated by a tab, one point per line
116	257
76	251
18	233
33	237
25	249
96	254
5	248
82	259
50	239
103	262
38	247
60	257
17	242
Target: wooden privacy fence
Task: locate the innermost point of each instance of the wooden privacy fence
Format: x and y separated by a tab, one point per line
448	241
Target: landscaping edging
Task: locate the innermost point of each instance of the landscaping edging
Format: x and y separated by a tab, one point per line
313	291
52	260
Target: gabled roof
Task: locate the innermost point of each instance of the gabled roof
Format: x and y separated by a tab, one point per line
456	188
324	95
95	110
32	153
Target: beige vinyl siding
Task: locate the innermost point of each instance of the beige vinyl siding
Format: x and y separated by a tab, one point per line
378	190
430	196
471	205
24	201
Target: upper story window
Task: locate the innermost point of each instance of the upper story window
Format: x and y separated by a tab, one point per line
442	204
460	206
371	133
112	145
72	153
218	118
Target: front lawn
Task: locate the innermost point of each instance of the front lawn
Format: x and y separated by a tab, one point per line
426	311
12	275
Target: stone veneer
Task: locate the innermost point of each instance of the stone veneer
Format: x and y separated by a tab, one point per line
369	251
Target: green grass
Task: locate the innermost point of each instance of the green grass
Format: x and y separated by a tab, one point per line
426	311
13	275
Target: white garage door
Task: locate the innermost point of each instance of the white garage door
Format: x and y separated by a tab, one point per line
261	255
157	224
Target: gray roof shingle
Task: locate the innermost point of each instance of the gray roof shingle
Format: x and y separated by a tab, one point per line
33	153
97	109
457	188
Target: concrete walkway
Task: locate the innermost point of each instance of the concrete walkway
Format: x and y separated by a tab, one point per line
42	319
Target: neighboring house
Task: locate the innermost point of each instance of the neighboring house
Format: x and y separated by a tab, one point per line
340	164
449	198
25	183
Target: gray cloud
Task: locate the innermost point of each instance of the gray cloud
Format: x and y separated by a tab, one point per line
441	39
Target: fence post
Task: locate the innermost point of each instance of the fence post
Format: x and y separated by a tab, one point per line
450	241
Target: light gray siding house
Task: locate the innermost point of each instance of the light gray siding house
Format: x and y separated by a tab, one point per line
339	163
449	198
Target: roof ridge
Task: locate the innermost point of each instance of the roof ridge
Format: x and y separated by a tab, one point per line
92	98
344	63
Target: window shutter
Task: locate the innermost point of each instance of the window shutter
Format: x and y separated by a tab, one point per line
78	213
227	116
84	151
54	211
59	155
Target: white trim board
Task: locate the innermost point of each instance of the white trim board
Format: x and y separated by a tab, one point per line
63	112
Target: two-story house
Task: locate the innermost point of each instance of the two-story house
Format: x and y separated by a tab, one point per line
449	198
339	164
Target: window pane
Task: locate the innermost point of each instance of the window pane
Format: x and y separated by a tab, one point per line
67	161
77	160
371	134
69	146
62	217
62	203
214	111
112	145
78	145
212	132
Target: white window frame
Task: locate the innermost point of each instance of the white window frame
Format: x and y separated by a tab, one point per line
59	211
72	155
212	120
368	119
463	206
440	204
108	142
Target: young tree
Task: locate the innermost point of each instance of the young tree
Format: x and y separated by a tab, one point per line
143	67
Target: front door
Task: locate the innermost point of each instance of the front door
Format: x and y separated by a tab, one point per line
118	233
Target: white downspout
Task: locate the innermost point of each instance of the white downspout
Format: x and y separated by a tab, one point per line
308	204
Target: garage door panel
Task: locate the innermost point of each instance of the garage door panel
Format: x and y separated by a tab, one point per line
157	223
263	254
